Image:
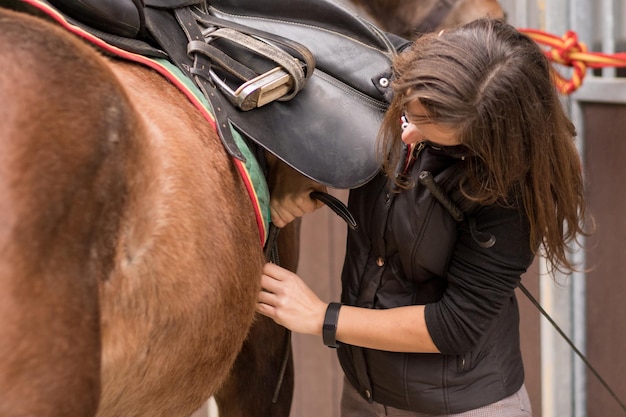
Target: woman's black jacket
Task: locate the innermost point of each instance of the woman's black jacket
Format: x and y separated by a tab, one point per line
409	250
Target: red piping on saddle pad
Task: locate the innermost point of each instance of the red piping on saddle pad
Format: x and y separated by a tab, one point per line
245	175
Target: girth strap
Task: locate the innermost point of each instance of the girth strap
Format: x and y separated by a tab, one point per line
337	206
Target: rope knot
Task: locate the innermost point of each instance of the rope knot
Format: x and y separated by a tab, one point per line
568	51
569	46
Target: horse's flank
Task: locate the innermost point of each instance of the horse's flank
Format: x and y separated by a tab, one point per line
124	227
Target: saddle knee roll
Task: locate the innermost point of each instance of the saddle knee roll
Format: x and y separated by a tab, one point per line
118	17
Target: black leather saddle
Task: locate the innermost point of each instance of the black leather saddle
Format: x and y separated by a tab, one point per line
326	126
328	131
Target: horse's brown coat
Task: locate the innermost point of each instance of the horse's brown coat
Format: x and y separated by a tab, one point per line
402	17
255	386
129	253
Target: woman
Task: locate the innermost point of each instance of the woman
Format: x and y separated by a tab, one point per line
486	176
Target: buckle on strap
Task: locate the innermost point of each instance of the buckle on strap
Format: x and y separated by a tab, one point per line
263	89
281	83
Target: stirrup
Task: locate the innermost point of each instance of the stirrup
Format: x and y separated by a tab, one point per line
250	67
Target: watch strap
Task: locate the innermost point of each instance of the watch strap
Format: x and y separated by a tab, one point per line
329	329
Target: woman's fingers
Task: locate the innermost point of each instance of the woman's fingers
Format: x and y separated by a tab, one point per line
267	297
286	210
271	286
277	272
287	300
281	217
266	310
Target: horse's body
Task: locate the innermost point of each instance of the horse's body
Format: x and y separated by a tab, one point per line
405	17
129	252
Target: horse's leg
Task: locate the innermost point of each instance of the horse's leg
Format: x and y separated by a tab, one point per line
251	387
61	190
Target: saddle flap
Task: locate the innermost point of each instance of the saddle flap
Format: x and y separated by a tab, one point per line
328	131
327	14
345	46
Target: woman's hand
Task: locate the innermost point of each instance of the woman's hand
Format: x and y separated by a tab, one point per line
287	300
290	192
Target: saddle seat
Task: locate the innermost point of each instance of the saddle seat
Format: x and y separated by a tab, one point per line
118	17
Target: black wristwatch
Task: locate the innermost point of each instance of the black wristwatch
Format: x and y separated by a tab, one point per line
329	329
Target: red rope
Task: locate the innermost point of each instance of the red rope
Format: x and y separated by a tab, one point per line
568	51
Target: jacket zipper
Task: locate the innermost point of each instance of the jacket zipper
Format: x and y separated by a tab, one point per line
415	152
462	364
410	154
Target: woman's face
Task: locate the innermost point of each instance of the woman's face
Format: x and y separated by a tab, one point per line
420	131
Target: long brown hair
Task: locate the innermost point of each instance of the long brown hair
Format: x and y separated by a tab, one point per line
493	85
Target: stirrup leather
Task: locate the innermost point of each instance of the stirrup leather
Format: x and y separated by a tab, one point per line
250	67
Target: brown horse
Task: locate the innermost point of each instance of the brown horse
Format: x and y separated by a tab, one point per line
409	18
129	252
130	255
